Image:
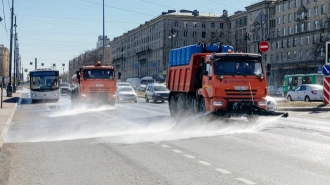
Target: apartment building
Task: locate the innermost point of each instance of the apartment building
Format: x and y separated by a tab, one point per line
4	61
144	50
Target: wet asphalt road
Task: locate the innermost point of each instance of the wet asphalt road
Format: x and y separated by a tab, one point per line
55	143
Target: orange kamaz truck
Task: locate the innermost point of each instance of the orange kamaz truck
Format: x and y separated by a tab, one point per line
97	85
211	78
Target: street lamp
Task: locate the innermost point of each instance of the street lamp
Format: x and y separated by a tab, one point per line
246	38
171	35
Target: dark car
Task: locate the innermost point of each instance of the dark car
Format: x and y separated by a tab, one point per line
156	92
65	88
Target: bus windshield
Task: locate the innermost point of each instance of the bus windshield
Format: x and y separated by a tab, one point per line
237	67
98	74
44	80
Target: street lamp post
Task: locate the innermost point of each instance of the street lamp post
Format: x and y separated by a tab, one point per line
15	58
9	87
247	37
171	35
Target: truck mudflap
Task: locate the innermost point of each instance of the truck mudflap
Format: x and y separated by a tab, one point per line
245	108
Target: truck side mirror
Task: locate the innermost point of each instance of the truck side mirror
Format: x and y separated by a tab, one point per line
204	71
78	76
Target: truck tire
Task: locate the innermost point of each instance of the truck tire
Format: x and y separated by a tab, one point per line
181	104
147	100
173	106
252	118
202	106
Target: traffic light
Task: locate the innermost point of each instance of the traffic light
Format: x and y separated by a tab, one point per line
327	52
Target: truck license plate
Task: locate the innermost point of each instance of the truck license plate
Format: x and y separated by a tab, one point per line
241	88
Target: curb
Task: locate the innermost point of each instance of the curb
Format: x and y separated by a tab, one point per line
303	109
7	125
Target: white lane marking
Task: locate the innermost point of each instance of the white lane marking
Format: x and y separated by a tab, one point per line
165	146
205	163
222	171
245	181
177	151
189	156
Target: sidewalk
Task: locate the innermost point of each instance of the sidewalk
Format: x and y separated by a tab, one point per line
7	112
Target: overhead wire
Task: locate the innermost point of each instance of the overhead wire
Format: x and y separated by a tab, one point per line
4	16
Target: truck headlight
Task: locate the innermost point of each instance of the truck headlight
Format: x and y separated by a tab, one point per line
262	103
217	103
114	95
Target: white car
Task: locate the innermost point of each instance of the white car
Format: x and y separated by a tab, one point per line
306	92
125	93
126	84
271	103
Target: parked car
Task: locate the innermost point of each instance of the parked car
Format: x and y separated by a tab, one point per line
142	87
279	91
271	103
125	93
65	88
156	92
306	92
120	84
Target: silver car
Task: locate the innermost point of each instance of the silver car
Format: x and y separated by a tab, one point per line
125	93
306	92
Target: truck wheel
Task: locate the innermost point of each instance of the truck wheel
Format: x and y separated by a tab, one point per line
147	100
202	106
252	118
181	104
173	106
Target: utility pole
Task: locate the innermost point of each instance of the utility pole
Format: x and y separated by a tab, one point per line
103	38
15	58
9	87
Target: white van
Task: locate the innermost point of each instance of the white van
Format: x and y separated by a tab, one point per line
135	82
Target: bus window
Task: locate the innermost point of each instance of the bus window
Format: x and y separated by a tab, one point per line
306	80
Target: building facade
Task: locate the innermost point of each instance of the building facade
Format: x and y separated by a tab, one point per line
144	50
4	61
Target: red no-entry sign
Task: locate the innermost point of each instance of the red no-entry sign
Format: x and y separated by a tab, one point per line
263	46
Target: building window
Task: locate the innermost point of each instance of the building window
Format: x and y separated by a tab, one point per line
194	34
295	3
176	44
185	34
308	1
315	25
284	32
282	43
290	5
278	20
289	17
176	24
321	37
185	24
284	7
309	26
302	15
279	8
278	32
290	31
284	17
301	41
195	24
314	39
277	57
277	44
203	34
221	25
295	29
288	55
307	53
307	39
300	54
282	56
294	54
315	10
185	43
294	42
309	13
322	9
203	25
212	25
272	45
302	27
271	58
295	16
288	43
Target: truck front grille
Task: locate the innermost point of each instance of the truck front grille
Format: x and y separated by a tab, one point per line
99	96
99	89
234	93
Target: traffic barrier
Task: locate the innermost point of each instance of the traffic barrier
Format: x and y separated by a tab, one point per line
326	90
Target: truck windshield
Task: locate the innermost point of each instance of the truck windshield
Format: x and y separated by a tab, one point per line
237	67
97	74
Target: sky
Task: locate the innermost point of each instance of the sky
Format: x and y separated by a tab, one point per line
56	31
